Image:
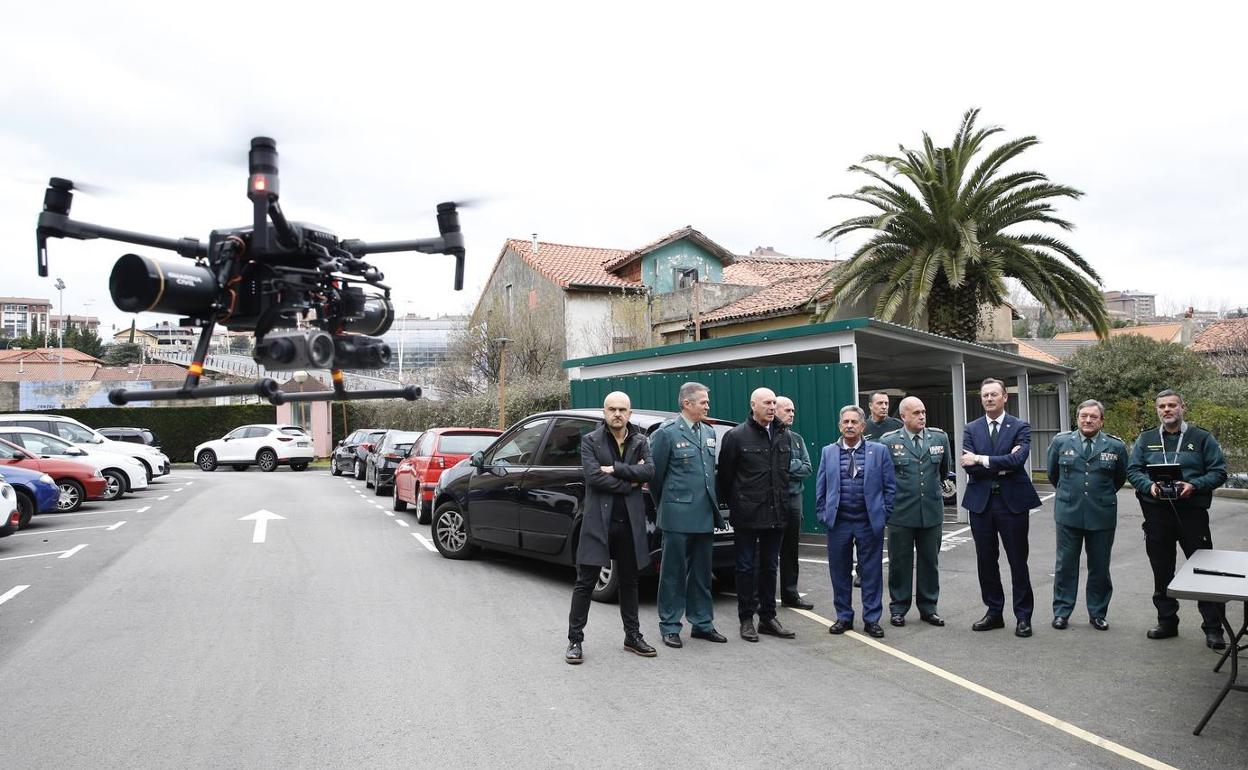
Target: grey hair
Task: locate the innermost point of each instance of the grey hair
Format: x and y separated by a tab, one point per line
1169	392
688	389
862	416
1092	402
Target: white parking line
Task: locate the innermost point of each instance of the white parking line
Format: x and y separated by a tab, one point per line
188	483
9	594
33	555
179	489
402	523
72	551
1006	701
166	497
389	513
114	527
425	542
70	529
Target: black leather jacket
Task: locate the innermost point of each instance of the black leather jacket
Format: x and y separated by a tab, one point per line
753	475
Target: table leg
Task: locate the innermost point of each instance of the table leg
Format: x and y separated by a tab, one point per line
1235	641
1233	651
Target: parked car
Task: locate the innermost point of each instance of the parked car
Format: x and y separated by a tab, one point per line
123	473
11	520
351	454
36	491
155	463
75	481
436	450
265	446
524	493
385	457
131	435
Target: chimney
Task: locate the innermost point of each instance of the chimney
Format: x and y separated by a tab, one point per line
534	252
1185	335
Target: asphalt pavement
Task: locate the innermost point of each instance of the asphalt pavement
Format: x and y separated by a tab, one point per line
175	639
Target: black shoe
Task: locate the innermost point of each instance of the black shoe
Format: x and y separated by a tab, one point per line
574	654
840	626
1214	640
873	630
932	618
988	623
772	627
1100	624
797	603
635	644
897	619
672	640
1061	622
747	631
1023	629
710	636
1163	631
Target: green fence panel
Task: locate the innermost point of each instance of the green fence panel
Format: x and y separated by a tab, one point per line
818	392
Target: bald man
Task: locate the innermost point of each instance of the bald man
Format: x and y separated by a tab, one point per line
615	458
753	478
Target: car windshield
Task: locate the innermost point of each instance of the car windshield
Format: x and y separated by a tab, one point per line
464	443
45	445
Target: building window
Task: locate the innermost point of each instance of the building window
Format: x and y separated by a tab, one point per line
684	277
510	301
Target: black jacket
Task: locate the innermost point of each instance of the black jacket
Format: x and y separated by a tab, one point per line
753	475
602	488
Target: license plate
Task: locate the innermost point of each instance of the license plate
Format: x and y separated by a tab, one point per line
727	530
303	443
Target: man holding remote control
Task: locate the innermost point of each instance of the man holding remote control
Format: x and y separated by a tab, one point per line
1183	520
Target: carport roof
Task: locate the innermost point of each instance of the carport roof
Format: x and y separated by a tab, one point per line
888	355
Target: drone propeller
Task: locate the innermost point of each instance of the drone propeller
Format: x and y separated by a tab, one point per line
89	188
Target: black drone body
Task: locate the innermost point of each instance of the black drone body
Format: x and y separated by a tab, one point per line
269	279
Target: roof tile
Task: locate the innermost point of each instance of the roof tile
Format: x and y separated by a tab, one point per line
1227	335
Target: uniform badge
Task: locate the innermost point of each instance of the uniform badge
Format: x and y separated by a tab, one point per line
1191	447
1109	456
1070	453
710	442
939	449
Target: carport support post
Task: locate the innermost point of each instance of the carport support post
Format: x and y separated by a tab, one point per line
1024	396
848	354
1063	404
957	371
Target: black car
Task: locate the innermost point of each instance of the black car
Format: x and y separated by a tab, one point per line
385	458
131	436
351	454
524	493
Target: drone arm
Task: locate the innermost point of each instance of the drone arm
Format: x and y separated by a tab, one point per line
53	225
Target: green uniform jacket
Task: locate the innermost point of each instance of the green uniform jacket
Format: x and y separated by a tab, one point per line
684	477
920	476
1200	459
1087	487
799	464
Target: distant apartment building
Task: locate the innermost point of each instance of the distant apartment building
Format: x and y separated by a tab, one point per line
88	322
1132	305
20	316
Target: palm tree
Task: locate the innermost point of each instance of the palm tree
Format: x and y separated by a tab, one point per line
944	244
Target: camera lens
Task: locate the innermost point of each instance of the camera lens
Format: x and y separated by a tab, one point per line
320	350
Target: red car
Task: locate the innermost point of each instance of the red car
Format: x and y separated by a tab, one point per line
435	450
76	481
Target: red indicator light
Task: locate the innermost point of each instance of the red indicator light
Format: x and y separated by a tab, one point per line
260	184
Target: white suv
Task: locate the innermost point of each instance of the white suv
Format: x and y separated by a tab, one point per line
122	472
266	446
155	463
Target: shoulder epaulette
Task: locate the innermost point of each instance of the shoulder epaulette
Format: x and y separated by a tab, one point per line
1059	434
886	435
936	430
1119	439
667	422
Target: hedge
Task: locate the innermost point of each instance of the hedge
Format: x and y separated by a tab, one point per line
179	428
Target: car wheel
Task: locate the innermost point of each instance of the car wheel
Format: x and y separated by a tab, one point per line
333	467
359	471
607	589
25	509
378	489
450	533
426	513
238	467
267	460
116	484
298	466
72	495
207	461
399	503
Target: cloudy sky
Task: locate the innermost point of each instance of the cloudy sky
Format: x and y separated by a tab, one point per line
612	124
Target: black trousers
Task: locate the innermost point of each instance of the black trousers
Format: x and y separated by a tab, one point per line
1188	527
788	551
1011	528
624	561
758	555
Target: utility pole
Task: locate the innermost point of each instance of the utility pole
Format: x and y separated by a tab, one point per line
60	334
502	382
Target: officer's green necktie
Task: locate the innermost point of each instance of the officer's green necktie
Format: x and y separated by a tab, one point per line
918	443
1087	448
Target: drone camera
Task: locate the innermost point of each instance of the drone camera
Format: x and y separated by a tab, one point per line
141	284
311	349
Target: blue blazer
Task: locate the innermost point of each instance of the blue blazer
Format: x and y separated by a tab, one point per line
879	485
1006	468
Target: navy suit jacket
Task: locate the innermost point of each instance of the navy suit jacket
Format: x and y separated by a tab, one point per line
879	484
1006	468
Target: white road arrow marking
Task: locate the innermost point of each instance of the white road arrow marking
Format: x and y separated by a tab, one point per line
262	519
106	527
9	594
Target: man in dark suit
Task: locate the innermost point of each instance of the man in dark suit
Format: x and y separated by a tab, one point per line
688	514
999	496
854	499
616	460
